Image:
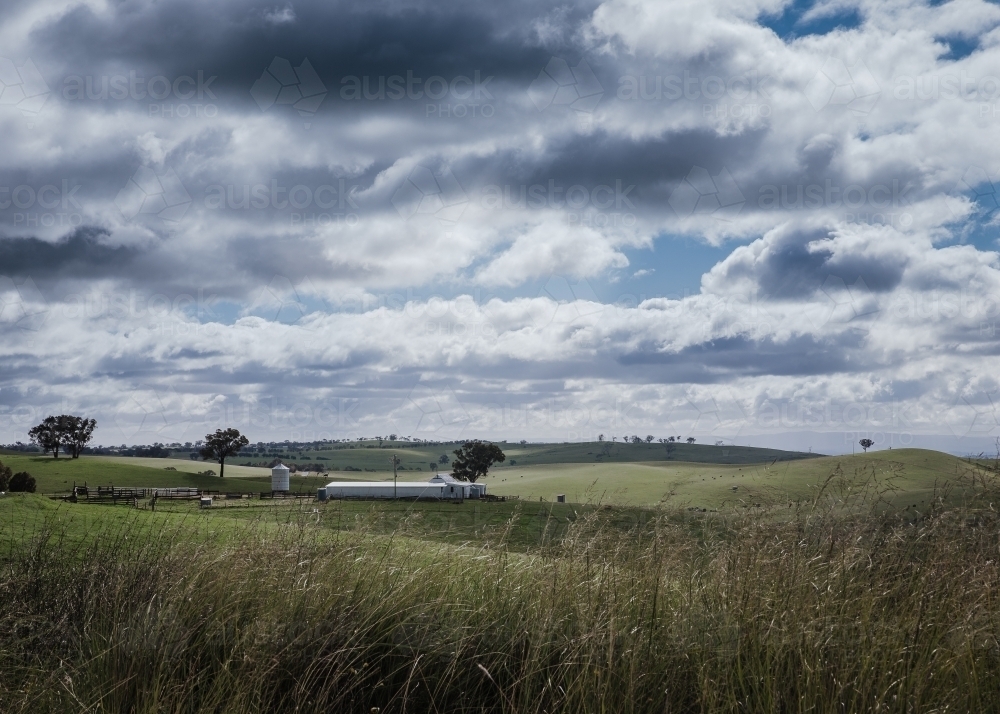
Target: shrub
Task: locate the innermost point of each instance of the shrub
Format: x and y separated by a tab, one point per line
22	482
4	477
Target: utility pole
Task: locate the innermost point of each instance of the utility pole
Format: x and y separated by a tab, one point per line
395	462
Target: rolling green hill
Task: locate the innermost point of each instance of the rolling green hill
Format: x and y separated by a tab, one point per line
366	461
233	468
907	476
368	456
617	453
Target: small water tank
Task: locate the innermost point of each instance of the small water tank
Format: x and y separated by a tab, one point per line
279	478
321	494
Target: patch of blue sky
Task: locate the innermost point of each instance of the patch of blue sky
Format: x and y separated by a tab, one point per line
795	20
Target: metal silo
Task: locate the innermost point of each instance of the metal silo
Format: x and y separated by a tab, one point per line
279	478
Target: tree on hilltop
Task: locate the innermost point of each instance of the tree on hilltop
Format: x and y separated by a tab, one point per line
221	445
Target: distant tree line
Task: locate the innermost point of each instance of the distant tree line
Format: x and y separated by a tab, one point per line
72	434
255	450
648	439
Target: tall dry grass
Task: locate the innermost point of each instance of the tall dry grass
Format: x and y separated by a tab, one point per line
836	606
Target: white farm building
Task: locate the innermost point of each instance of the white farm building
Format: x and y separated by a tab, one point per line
442	486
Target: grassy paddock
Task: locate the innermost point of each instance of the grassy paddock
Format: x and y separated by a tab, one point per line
366	461
59	475
912	475
842	604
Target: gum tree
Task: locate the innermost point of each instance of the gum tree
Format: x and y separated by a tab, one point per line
79	432
221	445
63	431
50	434
474	458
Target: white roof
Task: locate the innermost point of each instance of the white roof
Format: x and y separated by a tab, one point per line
383	484
447	478
279	467
437	480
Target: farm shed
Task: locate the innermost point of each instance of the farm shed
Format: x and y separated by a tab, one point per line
442	486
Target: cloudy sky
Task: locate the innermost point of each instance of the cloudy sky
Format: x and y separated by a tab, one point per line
744	221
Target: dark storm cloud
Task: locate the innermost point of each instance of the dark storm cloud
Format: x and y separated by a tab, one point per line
80	255
299	257
791	270
652	165
236	41
63	192
224	377
722	359
796	263
643	171
880	274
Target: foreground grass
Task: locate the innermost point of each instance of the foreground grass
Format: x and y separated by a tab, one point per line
510	525
843	604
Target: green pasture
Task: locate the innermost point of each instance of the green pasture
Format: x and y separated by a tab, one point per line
59	475
233	469
517	524
906	480
904	477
